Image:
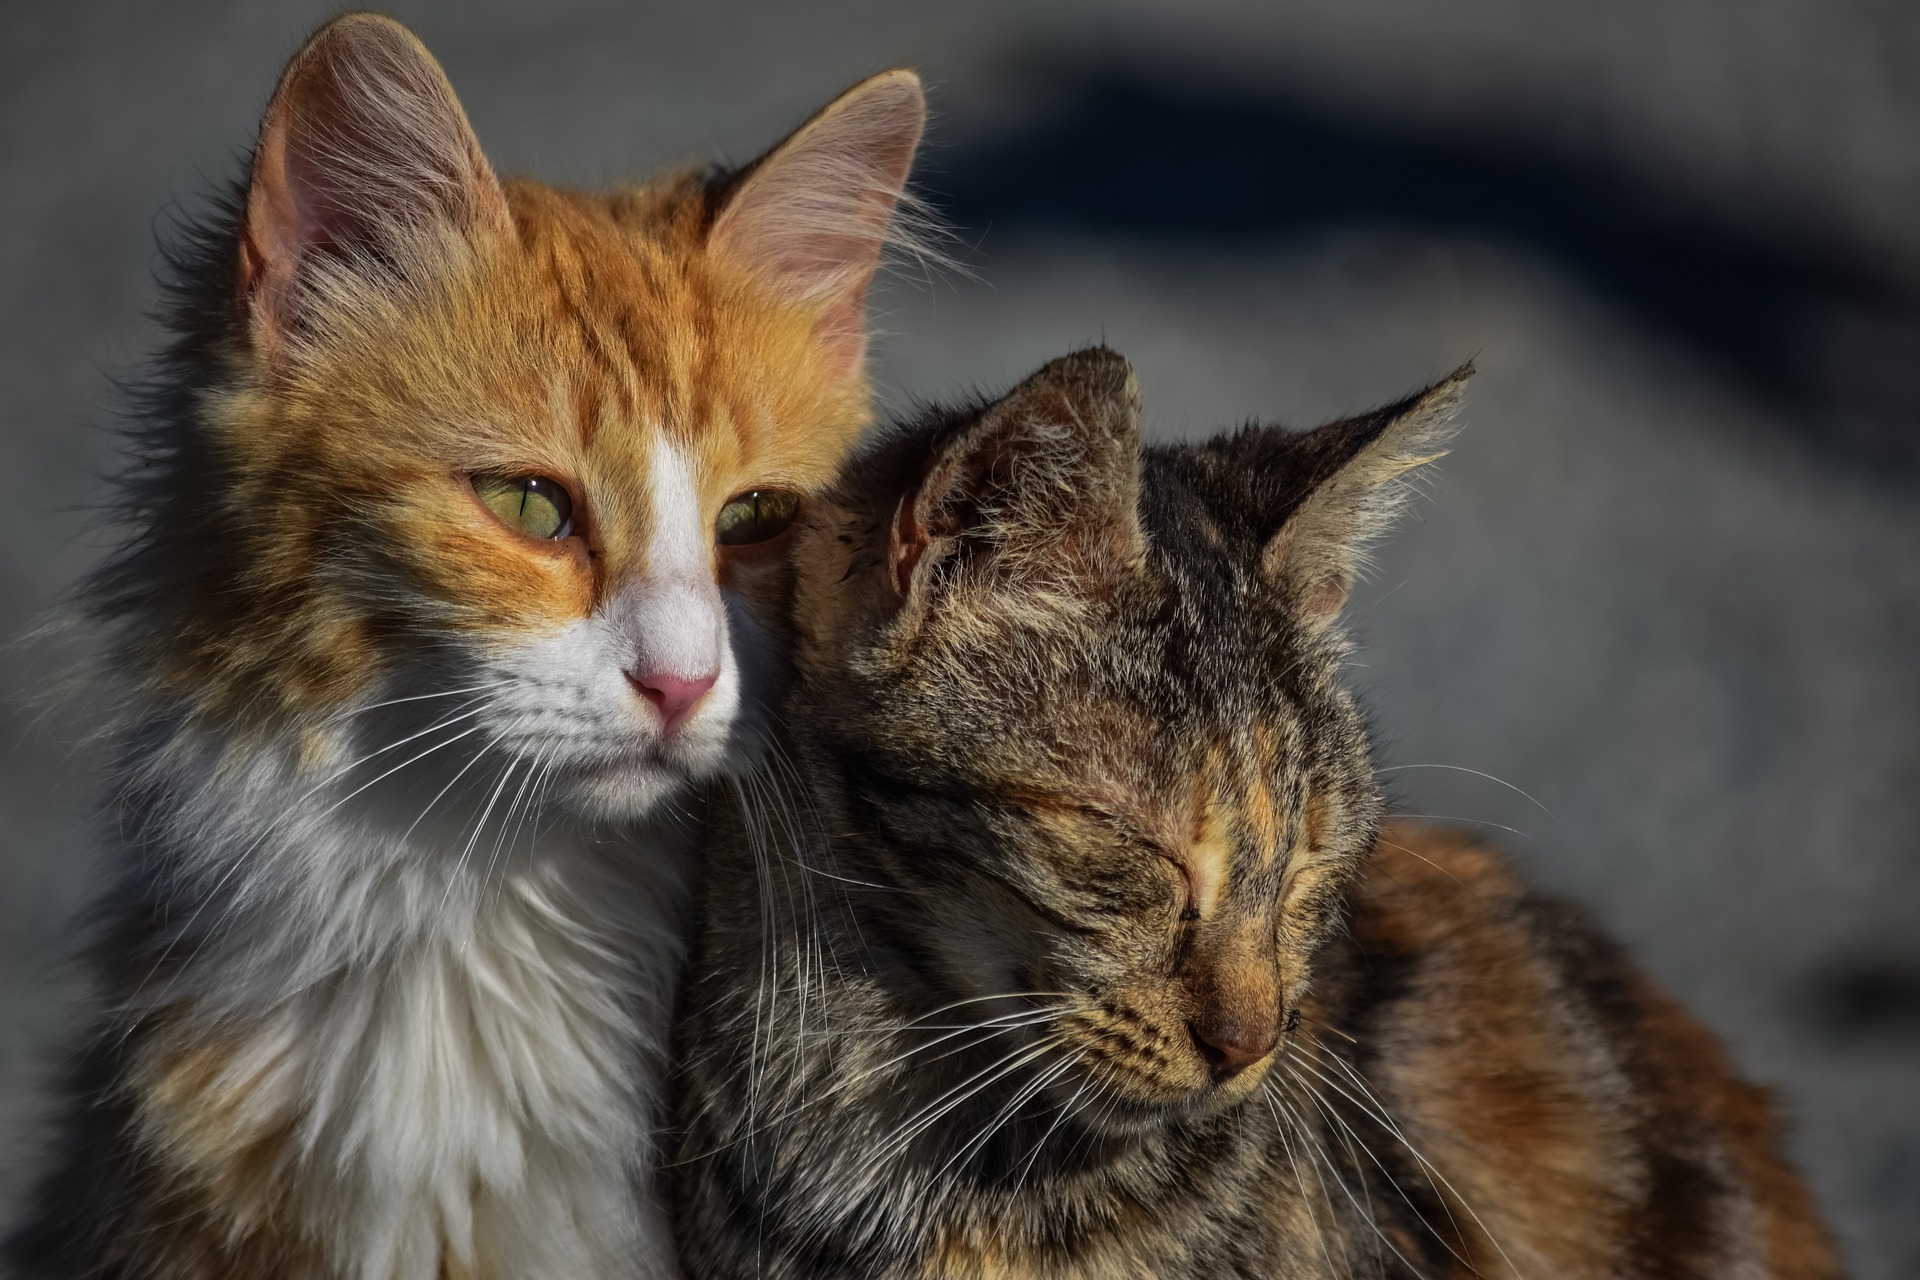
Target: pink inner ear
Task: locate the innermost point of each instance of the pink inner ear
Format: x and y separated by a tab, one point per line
908	544
1326	598
811	217
363	146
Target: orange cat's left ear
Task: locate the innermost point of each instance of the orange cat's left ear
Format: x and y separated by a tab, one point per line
811	216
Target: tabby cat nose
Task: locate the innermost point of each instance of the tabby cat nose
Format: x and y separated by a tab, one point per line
1230	1045
672	695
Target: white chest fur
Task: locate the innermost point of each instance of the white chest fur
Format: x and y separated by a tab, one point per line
455	1074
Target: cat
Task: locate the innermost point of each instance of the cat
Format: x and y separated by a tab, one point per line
455	520
1063	937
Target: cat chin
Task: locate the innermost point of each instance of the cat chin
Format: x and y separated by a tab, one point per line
1121	1116
641	784
625	790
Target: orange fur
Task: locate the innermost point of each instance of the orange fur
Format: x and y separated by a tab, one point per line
1498	1082
565	353
357	1031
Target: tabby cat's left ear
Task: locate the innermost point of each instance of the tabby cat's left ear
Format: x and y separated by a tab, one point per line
1315	500
811	216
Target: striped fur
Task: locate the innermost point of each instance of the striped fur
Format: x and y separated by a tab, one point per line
402	857
1066	942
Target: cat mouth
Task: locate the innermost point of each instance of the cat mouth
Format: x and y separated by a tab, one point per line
671	760
647	763
1141	1097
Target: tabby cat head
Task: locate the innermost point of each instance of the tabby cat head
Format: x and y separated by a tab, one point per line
1089	702
502	458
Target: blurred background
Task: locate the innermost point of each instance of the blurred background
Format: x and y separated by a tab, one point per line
1659	622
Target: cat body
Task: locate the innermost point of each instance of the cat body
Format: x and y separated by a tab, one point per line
1068	942
455	537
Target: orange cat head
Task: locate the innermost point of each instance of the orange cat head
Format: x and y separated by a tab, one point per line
518	456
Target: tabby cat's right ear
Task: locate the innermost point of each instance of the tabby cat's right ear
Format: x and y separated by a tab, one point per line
365	157
1311	502
1043	484
811	216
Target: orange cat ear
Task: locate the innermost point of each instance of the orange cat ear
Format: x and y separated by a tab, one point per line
812	215
1332	490
1045	482
365	157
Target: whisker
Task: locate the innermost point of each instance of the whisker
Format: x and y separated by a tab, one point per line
1350	1139
480	825
1415	853
1065	1113
1319	1151
1478	822
1304	1137
478	756
1460	768
959	1094
846	1084
1020	1098
1378	1113
1282	1125
241	858
485	687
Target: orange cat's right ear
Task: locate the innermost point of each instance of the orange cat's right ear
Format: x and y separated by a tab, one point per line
365	157
811	216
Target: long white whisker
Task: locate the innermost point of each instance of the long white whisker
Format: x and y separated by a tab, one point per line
240	858
959	1094
1460	768
478	756
1306	1137
480	825
1032	1089
1386	1122
1282	1124
1367	1210
486	687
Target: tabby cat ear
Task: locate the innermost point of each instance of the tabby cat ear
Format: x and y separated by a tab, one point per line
1045	482
1318	498
363	155
811	216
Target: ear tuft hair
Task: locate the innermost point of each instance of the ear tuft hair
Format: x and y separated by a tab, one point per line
1045	481
1316	500
812	216
364	157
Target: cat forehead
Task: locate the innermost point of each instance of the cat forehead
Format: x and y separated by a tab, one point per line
599	327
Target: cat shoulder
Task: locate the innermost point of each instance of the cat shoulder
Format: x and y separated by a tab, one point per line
1532	1051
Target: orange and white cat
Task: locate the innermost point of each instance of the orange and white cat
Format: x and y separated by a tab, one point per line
447	528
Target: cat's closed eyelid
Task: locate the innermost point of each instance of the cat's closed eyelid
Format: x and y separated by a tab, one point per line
1189	891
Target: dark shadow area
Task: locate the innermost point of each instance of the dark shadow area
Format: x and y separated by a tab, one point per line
1866	998
1795	313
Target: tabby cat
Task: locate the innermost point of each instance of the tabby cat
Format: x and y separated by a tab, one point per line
1065	939
455	521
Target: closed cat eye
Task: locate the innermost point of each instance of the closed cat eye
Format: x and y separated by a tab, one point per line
756	516
533	505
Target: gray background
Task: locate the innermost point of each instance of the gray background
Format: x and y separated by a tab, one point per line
1668	585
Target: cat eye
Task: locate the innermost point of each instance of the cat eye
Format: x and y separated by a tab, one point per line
756	516
533	505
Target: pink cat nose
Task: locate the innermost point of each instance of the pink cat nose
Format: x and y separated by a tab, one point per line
673	695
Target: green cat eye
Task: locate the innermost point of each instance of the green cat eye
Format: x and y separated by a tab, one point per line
534	505
755	516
